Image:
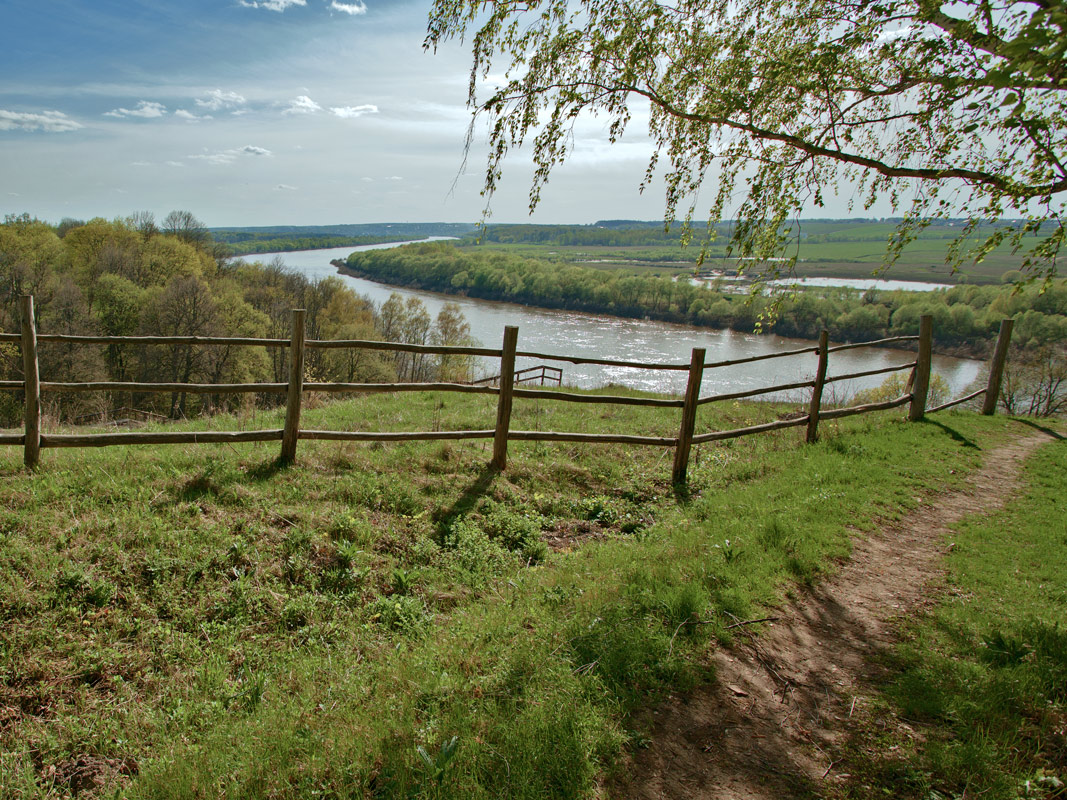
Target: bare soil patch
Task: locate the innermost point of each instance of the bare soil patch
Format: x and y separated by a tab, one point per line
782	699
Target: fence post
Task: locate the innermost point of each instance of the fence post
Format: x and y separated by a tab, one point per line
32	375
920	386
996	368
503	408
296	388
816	392
689	417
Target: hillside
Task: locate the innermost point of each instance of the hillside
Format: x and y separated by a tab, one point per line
397	621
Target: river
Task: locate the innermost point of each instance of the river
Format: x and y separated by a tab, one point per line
601	336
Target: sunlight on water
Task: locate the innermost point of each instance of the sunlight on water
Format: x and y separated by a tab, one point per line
597	336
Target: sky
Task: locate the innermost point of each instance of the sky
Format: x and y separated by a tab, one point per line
268	112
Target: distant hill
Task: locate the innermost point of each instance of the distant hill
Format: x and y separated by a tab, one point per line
287	238
413	230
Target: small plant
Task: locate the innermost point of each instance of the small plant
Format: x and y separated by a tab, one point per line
519	533
597	509
402	581
406	615
437	766
297	613
730	550
1004	650
348	527
74	586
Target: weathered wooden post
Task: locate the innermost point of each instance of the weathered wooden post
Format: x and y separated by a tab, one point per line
996	368
689	417
816	393
920	384
507	388
296	388
32	375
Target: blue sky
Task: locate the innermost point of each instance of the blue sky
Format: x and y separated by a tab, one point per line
263	113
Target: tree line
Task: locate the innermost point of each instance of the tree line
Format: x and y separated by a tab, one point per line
966	318
131	276
243	243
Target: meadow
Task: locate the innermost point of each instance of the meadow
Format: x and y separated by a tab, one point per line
401	621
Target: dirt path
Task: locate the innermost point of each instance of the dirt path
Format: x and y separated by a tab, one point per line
764	728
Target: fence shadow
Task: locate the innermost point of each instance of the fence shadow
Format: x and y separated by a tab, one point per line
468	498
268	469
954	434
1043	428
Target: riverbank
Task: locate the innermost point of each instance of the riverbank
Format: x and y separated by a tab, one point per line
603	336
966	318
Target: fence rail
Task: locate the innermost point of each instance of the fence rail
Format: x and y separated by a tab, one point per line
32	440
542	373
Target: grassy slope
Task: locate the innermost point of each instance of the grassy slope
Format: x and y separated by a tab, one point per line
225	629
981	680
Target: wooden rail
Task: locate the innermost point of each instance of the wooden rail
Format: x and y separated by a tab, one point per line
32	440
542	373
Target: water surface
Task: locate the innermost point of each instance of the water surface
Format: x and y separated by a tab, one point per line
602	336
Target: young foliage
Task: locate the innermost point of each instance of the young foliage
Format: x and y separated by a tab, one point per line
943	109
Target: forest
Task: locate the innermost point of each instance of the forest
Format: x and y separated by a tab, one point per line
966	317
287	238
132	276
243	244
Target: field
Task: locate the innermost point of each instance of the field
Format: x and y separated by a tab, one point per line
399	621
836	249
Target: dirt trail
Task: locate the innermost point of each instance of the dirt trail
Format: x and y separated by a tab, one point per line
765	727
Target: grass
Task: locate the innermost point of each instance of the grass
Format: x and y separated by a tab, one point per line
980	684
386	621
922	260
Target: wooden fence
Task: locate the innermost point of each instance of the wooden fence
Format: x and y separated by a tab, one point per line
915	395
542	373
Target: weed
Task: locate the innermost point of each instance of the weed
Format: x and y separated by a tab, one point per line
437	765
405	615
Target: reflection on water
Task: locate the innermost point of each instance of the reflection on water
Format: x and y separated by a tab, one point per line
597	336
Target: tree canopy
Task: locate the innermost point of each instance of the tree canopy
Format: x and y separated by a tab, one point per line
945	109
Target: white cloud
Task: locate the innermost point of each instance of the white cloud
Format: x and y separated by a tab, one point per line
900	33
272	5
349	8
218	100
189	116
48	121
140	163
220	157
284	187
174	164
145	109
302	105
352	112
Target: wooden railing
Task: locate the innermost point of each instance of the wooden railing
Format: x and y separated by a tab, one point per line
32	440
541	373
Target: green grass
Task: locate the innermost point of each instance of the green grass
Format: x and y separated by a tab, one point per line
385	621
981	681
921	260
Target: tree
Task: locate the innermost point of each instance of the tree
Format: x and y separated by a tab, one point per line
184	307
186	227
946	109
451	329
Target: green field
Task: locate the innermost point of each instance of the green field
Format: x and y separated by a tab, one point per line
838	249
396	620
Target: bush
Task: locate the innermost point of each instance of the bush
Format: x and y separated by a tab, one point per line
896	385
